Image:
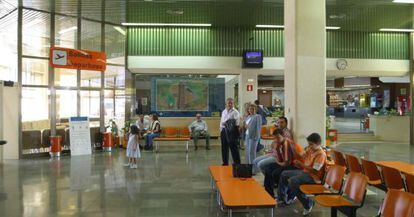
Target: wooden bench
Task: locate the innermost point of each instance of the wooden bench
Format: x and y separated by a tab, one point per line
238	193
173	134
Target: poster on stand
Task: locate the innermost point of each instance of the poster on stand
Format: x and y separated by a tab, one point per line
80	136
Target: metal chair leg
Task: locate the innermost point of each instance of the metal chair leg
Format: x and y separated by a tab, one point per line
334	212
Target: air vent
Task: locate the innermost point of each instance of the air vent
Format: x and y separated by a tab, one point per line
176	12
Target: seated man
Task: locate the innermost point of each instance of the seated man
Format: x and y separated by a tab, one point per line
313	170
283	154
264	161
143	124
199	129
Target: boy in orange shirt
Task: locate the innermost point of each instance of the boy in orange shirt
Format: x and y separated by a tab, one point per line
313	169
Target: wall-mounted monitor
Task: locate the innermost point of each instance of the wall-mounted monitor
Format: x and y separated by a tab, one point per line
253	59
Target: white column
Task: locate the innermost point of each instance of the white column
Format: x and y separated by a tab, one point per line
247	78
305	68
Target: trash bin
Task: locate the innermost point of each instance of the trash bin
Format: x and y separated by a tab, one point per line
333	136
107	141
55	147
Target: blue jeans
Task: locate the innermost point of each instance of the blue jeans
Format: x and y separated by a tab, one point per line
251	145
260	163
149	138
289	184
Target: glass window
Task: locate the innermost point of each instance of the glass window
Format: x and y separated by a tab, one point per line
66	104
35	71
67	7
92	9
66	31
91	78
66	77
115	76
109	105
115	44
42	5
35	104
36	37
91	35
120	104
8	44
115	11
90	103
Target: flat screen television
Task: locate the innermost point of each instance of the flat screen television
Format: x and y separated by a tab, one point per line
253	59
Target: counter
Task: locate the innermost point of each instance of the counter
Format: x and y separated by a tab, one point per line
391	128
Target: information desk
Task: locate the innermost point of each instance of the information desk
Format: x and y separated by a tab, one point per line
401	166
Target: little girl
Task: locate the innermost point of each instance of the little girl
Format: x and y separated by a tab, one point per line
133	152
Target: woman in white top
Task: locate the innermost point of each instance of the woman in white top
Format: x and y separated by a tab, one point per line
153	131
133	152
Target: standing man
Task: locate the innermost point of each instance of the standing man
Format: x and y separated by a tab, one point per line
229	133
199	129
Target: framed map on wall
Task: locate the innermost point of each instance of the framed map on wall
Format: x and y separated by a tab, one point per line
182	94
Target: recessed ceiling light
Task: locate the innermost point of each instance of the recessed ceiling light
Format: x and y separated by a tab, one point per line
404	1
271	26
168	24
396	30
333	27
281	27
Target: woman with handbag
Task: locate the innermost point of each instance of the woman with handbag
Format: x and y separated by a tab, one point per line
253	125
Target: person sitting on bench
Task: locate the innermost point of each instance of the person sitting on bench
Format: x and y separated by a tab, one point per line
199	129
313	169
283	153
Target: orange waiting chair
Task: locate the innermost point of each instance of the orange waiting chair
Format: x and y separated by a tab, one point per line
409	182
339	158
353	164
332	184
397	204
266	134
171	134
371	171
352	197
392	178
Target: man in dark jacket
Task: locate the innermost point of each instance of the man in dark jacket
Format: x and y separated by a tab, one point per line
229	132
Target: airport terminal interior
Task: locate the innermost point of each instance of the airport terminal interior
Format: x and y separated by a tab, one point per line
185	108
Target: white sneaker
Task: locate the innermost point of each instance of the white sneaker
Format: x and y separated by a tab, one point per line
288	202
127	165
307	211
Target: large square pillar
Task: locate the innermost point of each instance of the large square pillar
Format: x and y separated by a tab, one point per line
305	68
247	88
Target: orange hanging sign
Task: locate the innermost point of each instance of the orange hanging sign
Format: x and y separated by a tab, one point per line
77	59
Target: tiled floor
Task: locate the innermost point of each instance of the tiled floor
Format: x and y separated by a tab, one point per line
170	183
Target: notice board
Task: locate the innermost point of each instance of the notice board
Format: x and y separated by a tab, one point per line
80	136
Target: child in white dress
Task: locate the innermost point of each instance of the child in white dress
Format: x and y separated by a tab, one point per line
133	152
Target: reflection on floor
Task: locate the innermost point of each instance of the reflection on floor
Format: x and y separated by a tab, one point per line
170	183
348	125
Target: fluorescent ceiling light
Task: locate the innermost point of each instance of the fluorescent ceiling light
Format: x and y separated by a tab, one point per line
120	30
63	31
333	27
396	30
404	1
281	27
271	26
168	24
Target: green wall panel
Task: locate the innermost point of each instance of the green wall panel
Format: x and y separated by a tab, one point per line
161	41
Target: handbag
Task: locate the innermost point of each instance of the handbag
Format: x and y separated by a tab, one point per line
242	170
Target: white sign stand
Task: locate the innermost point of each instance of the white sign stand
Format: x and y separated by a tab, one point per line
80	136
